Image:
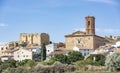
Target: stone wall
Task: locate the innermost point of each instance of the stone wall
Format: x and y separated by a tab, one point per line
84	42
34	38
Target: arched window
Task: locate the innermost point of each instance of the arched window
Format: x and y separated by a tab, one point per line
88	24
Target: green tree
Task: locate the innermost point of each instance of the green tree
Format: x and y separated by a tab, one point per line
8	64
21	63
43	52
96	59
112	62
30	63
74	56
61	58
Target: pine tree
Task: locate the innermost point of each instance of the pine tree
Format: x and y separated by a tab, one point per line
43	52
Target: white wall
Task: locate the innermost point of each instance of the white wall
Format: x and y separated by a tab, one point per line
86	51
83	51
51	48
4	59
22	54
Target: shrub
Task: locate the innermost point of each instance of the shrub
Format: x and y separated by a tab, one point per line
112	62
97	59
61	58
74	56
50	62
30	63
83	63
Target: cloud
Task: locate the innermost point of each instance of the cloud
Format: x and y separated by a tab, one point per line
3	25
112	2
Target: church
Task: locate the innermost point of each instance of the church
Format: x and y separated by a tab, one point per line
86	41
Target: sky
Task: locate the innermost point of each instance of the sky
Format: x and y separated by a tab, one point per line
57	17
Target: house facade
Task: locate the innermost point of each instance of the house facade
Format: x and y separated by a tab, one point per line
51	48
22	54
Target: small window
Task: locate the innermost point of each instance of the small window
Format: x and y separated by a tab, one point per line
89	24
23	55
78	41
18	56
84	49
84	54
88	38
6	48
2	48
88	50
26	55
48	50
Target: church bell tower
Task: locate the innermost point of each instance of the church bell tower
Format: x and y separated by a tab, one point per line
90	25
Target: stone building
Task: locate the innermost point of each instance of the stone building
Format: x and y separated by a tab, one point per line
7	47
86	41
34	38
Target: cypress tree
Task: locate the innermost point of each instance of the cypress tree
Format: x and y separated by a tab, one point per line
43	52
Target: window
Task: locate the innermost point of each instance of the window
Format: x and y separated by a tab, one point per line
26	55
88	49
78	41
6	48
88	52
88	38
48	50
2	48
84	54
88	24
23	55
18	56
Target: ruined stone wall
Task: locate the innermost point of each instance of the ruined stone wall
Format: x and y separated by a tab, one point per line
34	38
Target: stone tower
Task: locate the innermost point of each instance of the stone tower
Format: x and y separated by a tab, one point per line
90	25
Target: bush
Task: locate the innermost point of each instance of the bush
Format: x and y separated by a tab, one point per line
97	59
50	62
8	64
83	63
112	62
74	56
61	58
30	63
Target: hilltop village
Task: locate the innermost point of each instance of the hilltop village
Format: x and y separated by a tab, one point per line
85	42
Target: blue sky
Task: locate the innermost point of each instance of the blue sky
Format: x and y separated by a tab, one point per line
57	17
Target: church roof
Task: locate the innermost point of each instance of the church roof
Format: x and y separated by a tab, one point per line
76	33
79	33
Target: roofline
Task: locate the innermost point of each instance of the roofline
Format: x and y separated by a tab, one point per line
77	35
83	35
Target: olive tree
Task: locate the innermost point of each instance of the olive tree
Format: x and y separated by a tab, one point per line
112	62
